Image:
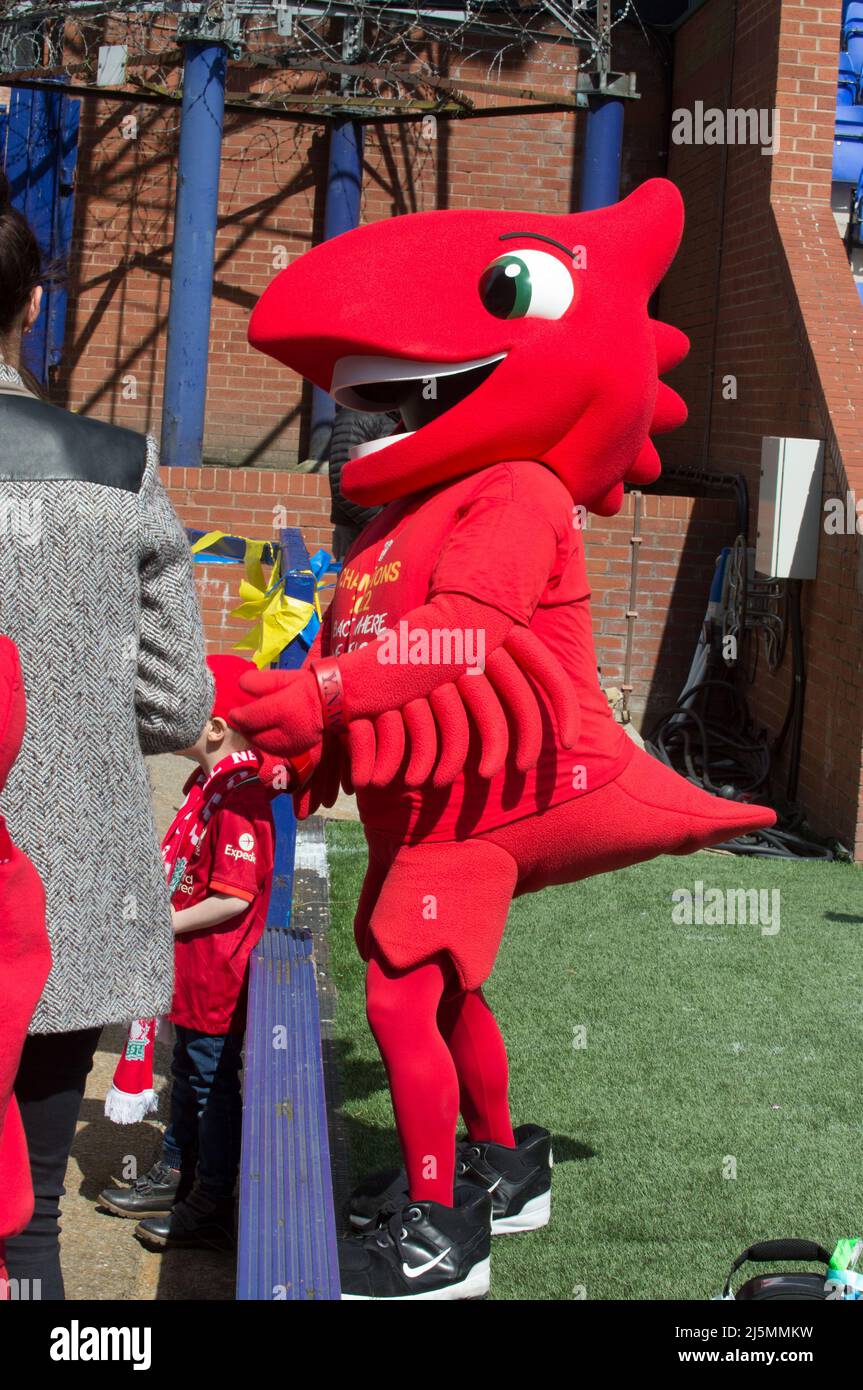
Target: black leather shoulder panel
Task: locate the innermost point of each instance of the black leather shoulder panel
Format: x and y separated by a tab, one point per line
41	443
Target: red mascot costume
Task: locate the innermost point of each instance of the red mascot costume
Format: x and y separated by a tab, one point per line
25	959
454	682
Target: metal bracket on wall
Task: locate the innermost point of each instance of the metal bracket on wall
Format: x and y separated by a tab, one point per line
605	84
216	23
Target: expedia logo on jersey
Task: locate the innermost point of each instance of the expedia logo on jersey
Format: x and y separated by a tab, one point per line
244	849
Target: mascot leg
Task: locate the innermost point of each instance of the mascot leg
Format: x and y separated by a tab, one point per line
424	1239
442	1055
429	922
402	1008
470	1031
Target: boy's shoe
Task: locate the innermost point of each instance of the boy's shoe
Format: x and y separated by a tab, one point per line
423	1251
518	1180
202	1221
150	1195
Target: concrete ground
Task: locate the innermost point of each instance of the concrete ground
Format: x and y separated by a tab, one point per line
101	1258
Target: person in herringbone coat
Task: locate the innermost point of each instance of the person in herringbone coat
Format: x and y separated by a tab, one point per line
96	590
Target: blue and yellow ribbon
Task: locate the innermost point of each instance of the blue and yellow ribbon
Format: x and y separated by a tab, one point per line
278	617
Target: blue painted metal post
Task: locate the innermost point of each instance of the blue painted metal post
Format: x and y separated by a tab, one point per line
64	220
31	169
195	221
603	144
341	213
39	148
299	584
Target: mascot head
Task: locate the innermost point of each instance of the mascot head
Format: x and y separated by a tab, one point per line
496	336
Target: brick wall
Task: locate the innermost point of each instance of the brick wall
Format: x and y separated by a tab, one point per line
762	286
681	538
252	502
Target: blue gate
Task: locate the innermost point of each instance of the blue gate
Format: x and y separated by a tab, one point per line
39	151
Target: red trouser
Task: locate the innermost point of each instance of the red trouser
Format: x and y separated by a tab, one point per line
443	1053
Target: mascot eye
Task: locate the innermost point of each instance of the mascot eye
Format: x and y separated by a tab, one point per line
526	285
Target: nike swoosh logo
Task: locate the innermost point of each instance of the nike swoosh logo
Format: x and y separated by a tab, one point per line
496	1184
414	1271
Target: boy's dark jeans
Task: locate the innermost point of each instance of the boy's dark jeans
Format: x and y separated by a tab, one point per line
206	1108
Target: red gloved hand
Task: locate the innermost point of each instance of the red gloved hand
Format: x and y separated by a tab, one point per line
289	774
326	781
286	718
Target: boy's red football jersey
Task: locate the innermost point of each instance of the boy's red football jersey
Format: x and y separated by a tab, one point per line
233	856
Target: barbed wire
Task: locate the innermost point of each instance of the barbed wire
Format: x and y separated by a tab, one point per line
305	60
387	55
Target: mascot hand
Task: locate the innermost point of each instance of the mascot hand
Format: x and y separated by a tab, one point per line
286	718
323	787
289	774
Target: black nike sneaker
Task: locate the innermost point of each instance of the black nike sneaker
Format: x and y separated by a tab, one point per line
202	1221
518	1181
423	1251
150	1195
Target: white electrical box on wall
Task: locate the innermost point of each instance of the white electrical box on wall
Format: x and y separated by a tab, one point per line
789	507
111	70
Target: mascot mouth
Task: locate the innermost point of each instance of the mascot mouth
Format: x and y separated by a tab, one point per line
419	391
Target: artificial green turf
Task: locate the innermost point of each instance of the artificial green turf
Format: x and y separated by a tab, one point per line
704	1044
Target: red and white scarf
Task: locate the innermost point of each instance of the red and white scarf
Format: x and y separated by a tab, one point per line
132	1097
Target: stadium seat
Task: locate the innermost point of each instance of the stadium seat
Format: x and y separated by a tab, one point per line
847	87
847	158
848	144
853	36
850	119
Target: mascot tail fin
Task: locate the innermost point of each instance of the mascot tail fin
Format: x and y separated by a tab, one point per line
683	817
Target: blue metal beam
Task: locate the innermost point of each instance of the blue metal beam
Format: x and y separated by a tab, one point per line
341	213
39	147
603	145
64	220
195	223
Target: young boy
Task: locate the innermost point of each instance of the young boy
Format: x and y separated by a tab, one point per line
218	858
